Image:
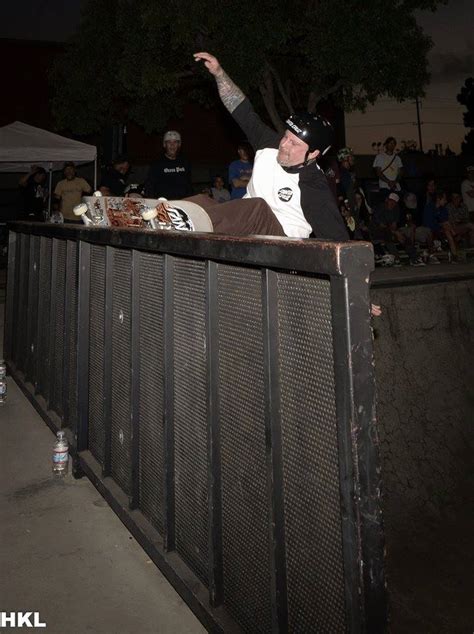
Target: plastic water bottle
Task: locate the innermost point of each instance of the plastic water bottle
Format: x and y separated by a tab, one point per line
3	390
3	382
60	455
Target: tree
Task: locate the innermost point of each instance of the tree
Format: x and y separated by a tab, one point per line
132	60
466	98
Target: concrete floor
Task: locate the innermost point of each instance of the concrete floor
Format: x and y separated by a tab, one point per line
63	552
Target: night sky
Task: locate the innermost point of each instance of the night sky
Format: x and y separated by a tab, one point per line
451	60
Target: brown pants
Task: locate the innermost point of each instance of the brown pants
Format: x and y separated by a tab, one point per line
240	217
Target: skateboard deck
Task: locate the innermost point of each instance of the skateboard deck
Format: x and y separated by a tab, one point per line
115	211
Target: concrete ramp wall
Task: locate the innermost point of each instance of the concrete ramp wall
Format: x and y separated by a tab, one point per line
425	415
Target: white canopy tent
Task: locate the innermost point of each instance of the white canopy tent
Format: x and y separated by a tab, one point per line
23	145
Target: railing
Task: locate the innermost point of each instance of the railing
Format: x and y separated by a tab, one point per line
219	392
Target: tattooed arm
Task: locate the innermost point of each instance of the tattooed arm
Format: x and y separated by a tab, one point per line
230	94
259	134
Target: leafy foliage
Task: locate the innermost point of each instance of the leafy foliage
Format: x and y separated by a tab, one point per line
132	60
466	98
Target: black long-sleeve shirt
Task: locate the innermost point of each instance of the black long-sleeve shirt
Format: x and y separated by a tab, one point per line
302	202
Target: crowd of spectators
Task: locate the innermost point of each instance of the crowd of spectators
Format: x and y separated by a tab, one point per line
398	222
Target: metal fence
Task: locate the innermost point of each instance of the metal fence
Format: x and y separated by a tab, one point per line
219	392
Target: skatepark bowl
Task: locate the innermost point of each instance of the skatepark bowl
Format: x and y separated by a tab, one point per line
220	393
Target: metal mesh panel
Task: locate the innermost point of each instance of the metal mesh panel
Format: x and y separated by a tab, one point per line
310	457
44	304
19	339
12	275
71	334
96	353
151	468
245	515
190	415
121	370
58	329
32	310
14	281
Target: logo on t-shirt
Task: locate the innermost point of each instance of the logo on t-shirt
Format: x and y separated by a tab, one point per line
285	194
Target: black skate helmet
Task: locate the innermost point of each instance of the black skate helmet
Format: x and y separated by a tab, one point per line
313	129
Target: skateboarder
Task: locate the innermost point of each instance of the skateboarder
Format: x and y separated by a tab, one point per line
288	194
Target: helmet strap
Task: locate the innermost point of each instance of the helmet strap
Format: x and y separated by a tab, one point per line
294	169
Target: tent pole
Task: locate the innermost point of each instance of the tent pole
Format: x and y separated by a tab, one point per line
49	191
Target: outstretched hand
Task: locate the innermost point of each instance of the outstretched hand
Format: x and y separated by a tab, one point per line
210	62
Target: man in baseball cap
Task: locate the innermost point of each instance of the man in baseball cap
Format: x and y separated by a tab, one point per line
171	135
467	190
170	176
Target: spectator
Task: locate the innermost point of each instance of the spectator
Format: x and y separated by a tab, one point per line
218	191
114	180
459	219
347	178
436	217
362	214
170	176
385	225
411	234
240	171
467	190
34	195
134	190
410	207
385	229
330	167
458	212
388	167
349	220
69	192
428	195
24	177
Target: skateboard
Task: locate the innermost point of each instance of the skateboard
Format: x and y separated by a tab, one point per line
144	213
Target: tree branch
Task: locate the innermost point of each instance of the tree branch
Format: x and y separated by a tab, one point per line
268	95
314	99
284	93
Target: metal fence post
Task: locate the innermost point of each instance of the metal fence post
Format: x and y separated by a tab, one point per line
216	585
359	479
82	429
168	410
135	381
274	451
106	470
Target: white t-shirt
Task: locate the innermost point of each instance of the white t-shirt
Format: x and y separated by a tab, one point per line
281	191
390	164
468	186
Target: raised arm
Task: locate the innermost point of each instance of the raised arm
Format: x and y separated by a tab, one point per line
259	134
230	94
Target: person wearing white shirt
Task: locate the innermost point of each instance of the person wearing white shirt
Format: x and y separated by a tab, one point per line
467	189
388	167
